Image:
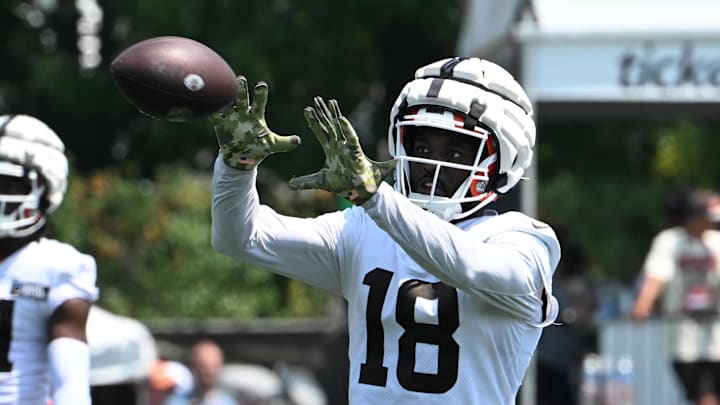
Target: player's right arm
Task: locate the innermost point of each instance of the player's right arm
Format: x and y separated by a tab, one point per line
69	354
242	228
69	299
645	302
658	268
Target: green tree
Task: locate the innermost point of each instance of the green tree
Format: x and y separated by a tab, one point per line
359	53
151	240
602	185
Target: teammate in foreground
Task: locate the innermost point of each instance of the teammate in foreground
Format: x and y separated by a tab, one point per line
446	300
46	286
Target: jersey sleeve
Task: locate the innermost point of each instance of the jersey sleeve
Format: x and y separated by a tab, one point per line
511	267
76	278
304	249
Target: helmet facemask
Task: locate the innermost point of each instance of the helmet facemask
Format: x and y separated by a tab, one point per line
450	188
21	201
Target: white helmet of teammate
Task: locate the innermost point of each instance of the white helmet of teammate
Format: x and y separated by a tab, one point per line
472	97
30	150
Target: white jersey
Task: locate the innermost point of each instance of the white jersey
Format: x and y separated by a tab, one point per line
690	269
34	281
438	313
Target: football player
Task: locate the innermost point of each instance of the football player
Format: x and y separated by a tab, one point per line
446	299
46	287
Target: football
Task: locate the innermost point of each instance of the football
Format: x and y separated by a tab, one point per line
174	78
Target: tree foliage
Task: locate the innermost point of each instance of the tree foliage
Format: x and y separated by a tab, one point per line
603	184
151	239
358	52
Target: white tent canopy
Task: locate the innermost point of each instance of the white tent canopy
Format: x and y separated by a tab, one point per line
121	349
626	17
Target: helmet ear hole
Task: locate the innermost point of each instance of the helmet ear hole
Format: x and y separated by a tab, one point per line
497	181
44	202
40	182
477	187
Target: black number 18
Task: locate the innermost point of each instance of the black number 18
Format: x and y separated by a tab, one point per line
373	372
6	316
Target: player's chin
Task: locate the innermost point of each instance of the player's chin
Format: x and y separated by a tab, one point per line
425	188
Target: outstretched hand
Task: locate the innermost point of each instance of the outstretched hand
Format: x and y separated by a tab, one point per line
242	133
348	171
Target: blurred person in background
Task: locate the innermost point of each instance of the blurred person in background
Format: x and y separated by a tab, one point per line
682	267
46	286
446	298
166	379
206	363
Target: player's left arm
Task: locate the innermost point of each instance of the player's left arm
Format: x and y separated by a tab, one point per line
69	354
510	270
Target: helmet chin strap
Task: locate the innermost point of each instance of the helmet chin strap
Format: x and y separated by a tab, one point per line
440	206
449	209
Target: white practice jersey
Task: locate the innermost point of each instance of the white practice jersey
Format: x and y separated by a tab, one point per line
34	281
438	313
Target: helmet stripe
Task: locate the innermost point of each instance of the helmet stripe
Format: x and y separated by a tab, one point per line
446	70
480	86
473	116
434	90
5	124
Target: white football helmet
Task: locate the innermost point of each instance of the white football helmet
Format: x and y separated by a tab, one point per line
472	97
30	150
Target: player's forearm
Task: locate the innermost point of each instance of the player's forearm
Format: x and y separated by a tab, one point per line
299	248
235	203
70	371
651	289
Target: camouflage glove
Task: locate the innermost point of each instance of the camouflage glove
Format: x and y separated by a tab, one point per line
347	172
242	133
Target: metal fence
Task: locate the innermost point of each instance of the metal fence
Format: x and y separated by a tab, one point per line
321	346
647	345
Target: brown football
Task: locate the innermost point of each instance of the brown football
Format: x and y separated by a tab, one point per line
174	78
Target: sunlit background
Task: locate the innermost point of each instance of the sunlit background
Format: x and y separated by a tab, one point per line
625	93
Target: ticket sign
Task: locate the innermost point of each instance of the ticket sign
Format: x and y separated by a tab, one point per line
614	70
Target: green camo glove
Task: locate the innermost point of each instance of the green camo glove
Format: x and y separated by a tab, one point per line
347	172
242	133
